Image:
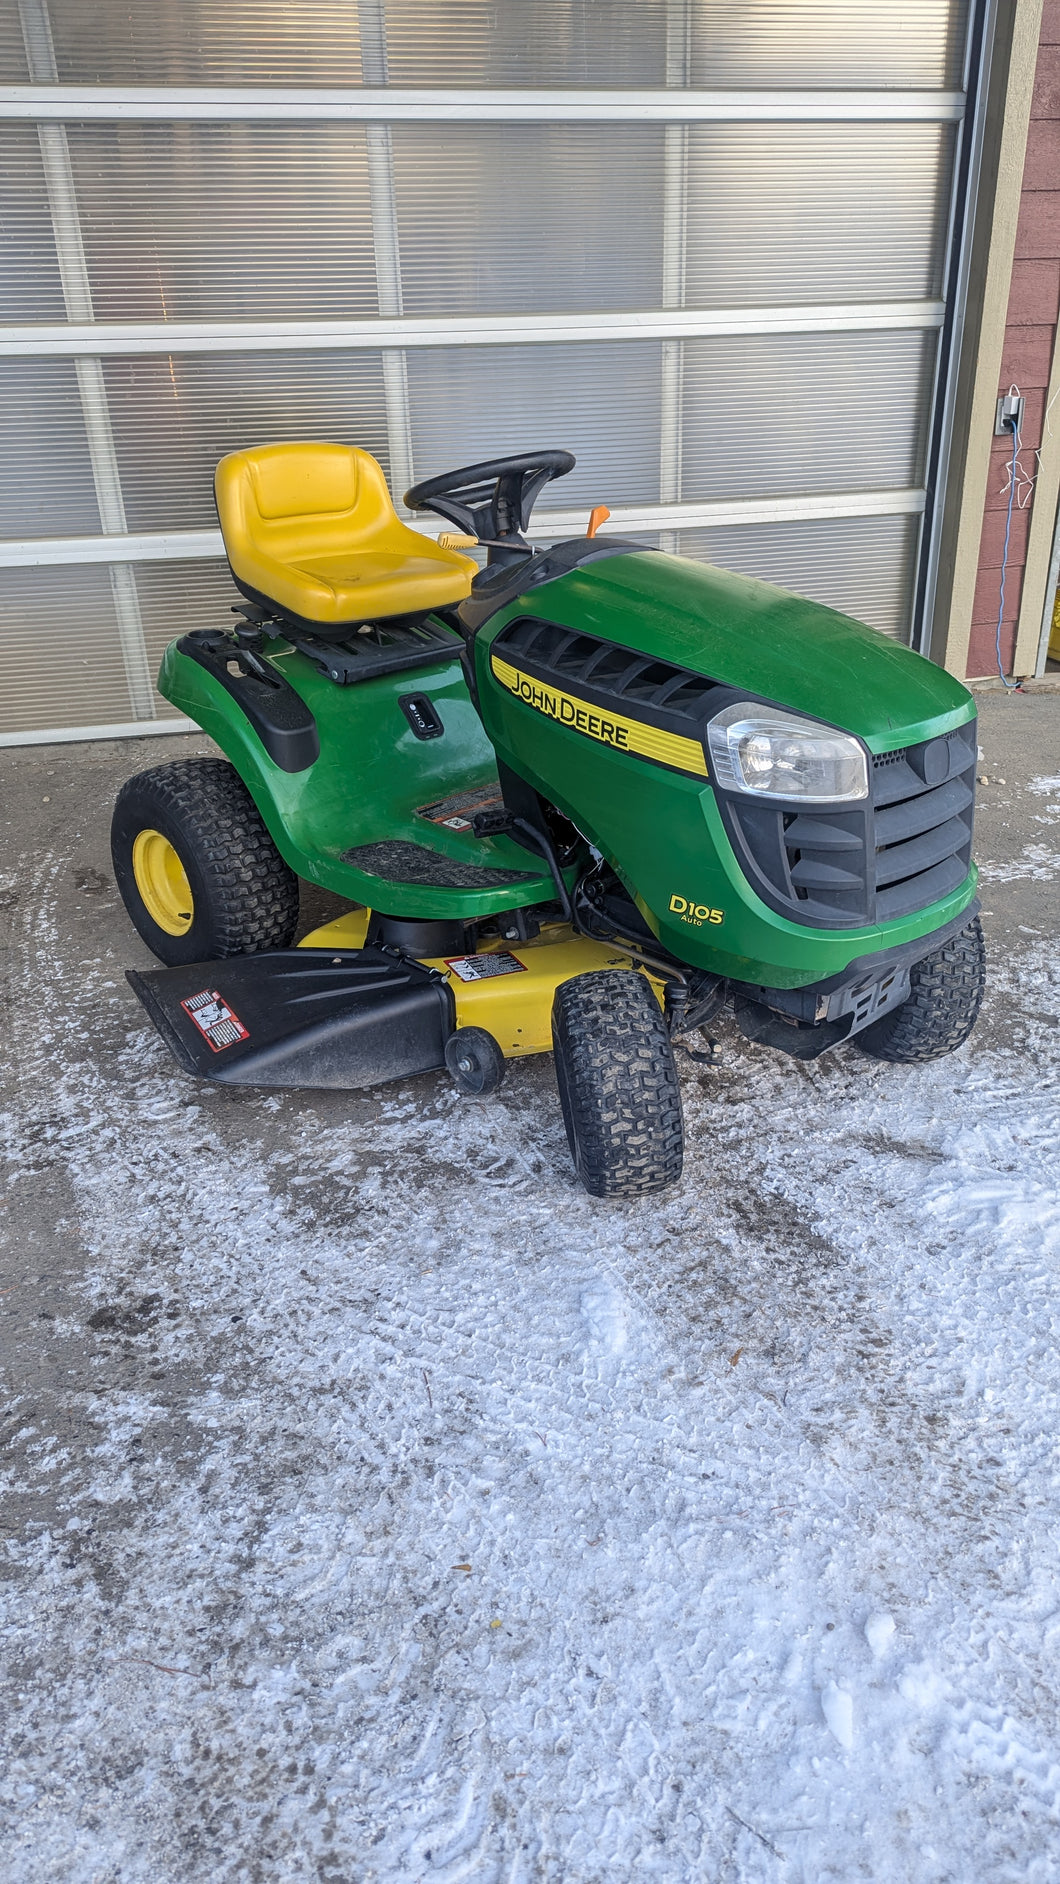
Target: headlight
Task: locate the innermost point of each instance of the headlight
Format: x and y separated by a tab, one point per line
772	754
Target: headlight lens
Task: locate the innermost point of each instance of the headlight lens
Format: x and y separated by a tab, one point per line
772	754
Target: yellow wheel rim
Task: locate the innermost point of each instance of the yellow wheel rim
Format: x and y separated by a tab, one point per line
163	883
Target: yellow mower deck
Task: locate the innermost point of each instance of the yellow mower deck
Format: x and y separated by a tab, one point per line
514	1004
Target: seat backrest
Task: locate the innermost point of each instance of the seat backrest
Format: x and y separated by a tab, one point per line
293	500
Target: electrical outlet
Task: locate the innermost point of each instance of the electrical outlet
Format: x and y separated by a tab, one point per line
1009	414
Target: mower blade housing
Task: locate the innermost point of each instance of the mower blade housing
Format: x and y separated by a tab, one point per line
300	1017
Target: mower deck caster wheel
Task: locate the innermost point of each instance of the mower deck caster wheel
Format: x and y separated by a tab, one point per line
475	1061
617	1084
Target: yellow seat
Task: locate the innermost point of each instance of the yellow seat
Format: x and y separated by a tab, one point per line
311	530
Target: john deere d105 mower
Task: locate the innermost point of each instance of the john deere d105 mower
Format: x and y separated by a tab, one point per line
579	799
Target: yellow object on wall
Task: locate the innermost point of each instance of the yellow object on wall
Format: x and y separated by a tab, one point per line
1054	638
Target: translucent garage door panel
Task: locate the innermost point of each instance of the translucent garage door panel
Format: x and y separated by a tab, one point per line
773	43
47	487
60	657
318	42
30	288
783	214
599	401
774	414
206	42
13	67
60	660
512	42
529	218
862	566
177	597
173	418
225	221
811	43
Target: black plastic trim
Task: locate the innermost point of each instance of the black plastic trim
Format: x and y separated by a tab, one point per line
805	1022
278	714
611	676
802	1002
398	861
310	1017
347	663
493	591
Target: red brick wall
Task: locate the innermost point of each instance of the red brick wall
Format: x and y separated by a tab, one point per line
1034	305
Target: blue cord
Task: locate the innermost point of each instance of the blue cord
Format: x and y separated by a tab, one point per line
1010	685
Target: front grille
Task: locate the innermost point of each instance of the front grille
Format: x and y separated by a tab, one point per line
922	815
907	847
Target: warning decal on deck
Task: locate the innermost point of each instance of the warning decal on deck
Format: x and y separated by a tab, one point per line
481	967
215	1020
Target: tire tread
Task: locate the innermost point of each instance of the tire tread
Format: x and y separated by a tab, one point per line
618	1084
252	892
945	995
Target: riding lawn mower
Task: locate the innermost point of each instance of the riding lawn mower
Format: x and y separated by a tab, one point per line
577	799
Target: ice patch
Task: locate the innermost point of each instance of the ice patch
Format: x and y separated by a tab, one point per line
921	1686
879	1633
464	1595
838	1710
604	1313
1035	862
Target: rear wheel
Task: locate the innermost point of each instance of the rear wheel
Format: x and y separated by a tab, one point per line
198	872
617	1084
945	995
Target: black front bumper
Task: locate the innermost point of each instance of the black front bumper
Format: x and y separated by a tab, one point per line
806	1021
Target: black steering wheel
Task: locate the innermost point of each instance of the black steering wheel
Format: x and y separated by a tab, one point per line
492	500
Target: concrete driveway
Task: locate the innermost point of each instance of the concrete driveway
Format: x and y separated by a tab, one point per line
379	1507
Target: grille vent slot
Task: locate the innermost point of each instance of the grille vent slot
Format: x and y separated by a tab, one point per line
923	809
674	696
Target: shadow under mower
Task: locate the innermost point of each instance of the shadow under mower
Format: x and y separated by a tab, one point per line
580	799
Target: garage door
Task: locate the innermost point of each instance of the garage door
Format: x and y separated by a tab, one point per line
703	245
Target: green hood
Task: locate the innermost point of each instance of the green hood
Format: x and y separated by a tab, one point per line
750	635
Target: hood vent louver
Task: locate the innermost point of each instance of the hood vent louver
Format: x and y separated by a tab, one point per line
659	691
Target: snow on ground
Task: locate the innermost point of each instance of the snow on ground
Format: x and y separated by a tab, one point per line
1037	861
415	1517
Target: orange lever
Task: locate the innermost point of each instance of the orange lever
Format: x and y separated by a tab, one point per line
597	516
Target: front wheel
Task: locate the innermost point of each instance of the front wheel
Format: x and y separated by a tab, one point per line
945	995
617	1084
197	870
